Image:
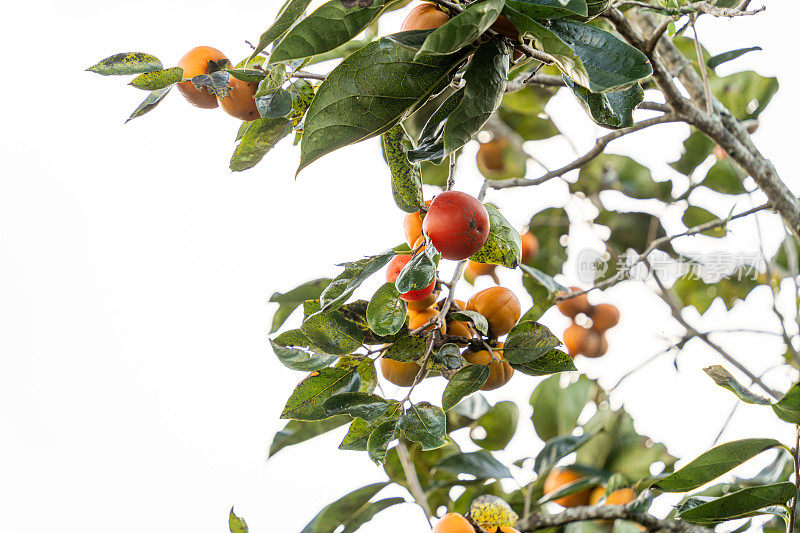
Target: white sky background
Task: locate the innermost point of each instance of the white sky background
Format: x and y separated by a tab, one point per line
137	389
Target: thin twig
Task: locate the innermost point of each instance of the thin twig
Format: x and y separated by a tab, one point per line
608	512
414	486
701	61
796	458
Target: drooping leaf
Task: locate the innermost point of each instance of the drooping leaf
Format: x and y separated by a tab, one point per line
425	423
430	148
287	16
549	226
386	312
249	75
479	464
745	94
503	245
296	351
724	57
725	177
713	463
696	216
297	431
417	274
552	362
612	110
556	409
328	27
739	504
362	405
149	103
355	273
306	402
343	510
485	82
466	381
462	29
260	137
370	91
724	379
236	524
556	449
406	177
379	440
274	105
158	79
499	423
357	436
291	300
126	63
696	149
527	342
369	512
332	333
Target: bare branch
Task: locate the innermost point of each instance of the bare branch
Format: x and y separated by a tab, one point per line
695	8
608	512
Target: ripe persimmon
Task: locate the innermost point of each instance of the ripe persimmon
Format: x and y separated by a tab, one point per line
412	226
457	224
582	341
499	306
453	523
399	372
530	248
425	16
491	156
395	266
420	305
500	371
239	102
194	63
459	328
596	345
417	319
474	270
604	317
504	27
559	477
420	294
576	305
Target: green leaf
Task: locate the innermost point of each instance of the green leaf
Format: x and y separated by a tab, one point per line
788	407
406	177
503	245
149	103
725	177
695	216
623	174
527	342
610	63
479	464
306	402
332	333
297	431
329	27
724	379
355	273
357	436
556	449
260	137
343	510
475	318
714	463
466	381
499	423
417	274
369	512
287	16
556	409
612	110
550	9
631	230
127	63
379	439
719	59
571	488
236	524
462	29
549	226
356	404
552	362
745	94
370	91
485	83
430	148
425	423
386	312
696	149
739	504
407	349
249	75
158	79
297	352
692	290
289	301
274	105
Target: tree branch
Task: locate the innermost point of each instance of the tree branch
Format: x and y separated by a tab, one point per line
699	8
608	512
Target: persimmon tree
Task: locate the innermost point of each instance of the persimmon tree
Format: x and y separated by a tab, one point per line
463	70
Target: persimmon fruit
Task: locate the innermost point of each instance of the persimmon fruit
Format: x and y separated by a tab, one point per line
419	294
491	156
499	306
398	372
194	63
417	319
412	226
457	224
559	477
239	102
576	305
604	317
420	305
500	371
453	523
396	266
530	248
474	270
425	16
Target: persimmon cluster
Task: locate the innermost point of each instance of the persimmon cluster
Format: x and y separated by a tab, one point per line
560	479
237	101
457	225
587	341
